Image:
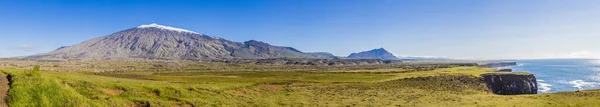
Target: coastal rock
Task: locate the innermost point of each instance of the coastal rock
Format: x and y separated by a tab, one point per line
505	70
498	64
511	83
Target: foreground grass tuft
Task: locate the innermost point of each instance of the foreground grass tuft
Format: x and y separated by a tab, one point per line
35	90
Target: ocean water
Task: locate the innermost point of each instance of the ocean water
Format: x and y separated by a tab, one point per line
557	75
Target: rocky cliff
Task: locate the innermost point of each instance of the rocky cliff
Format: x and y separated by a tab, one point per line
511	83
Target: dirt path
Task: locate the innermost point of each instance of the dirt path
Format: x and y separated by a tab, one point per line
3	89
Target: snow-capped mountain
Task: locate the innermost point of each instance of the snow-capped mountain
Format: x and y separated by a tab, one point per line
154	41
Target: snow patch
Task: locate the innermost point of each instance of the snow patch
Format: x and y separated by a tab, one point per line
154	25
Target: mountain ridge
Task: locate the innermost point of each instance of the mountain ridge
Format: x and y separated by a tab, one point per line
160	42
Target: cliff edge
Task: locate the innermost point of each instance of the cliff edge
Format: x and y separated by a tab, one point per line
511	83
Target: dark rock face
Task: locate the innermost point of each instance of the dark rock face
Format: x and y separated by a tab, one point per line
373	54
511	84
504	70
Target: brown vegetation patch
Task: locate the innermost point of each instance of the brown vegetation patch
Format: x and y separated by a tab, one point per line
4	82
141	104
183	105
451	83
127	75
273	88
112	91
237	92
244	92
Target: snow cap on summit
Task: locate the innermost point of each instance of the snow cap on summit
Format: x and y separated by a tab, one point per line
154	25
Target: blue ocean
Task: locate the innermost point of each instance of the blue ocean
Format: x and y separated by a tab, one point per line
557	75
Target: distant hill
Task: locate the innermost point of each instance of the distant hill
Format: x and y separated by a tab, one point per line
373	54
421	58
161	42
322	55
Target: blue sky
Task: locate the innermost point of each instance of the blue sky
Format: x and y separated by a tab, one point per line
468	29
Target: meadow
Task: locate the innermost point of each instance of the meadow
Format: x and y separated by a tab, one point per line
365	86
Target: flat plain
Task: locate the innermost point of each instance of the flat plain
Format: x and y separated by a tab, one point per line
219	84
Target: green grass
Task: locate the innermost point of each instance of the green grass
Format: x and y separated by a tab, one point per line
36	90
514	73
458	86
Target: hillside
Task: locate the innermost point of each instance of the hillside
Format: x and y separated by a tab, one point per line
374	54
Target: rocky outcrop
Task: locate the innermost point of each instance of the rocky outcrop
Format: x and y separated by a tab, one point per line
511	83
504	70
498	64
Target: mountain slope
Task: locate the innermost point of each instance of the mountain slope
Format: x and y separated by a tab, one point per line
322	55
373	54
155	41
257	49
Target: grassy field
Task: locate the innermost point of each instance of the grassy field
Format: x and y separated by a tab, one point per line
457	86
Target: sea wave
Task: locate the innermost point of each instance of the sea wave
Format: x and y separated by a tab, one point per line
581	85
543	87
596	69
596	77
595	62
